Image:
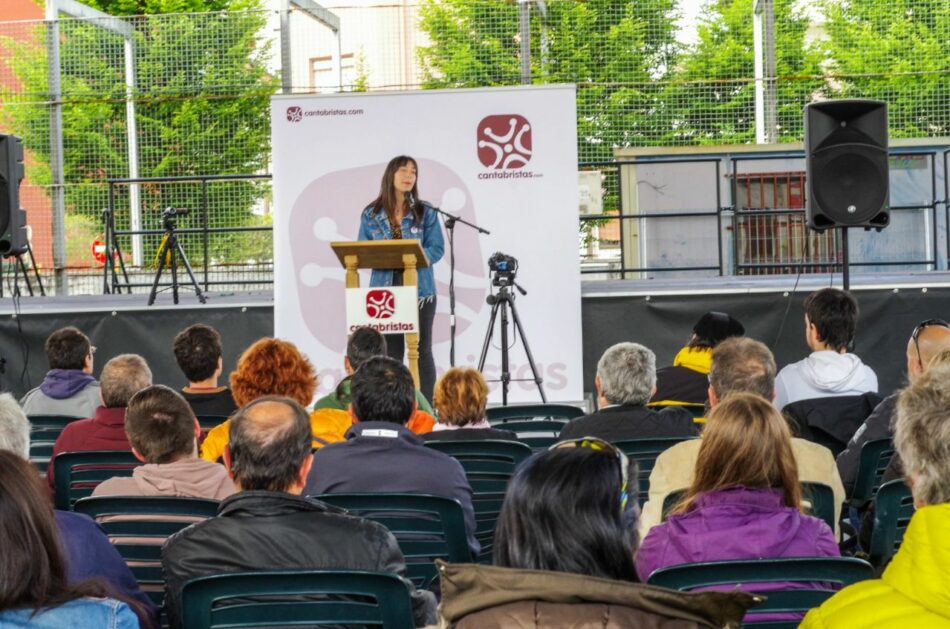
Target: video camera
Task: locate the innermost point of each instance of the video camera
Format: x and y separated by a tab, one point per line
505	268
170	213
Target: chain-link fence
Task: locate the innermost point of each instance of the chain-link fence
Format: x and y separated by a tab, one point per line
177	95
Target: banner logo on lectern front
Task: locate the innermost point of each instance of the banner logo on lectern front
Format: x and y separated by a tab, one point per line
380	304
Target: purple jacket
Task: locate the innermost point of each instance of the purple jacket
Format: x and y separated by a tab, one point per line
737	523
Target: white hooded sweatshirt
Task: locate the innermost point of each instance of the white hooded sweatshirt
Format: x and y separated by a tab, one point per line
823	374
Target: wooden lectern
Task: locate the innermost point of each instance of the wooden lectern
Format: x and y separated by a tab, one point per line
385	254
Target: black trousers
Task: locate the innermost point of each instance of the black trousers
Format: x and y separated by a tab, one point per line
396	348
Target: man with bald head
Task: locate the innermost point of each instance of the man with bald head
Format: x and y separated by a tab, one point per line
268	525
926	341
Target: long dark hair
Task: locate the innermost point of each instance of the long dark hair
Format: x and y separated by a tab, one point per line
32	565
387	201
562	513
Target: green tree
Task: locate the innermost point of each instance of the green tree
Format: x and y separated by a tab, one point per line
201	98
897	52
713	91
614	51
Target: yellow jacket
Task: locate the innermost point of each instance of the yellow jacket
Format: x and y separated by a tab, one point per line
914	590
328	425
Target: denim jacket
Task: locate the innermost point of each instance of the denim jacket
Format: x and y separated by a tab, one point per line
105	613
376	227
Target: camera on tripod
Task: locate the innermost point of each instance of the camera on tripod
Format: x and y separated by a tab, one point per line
170	213
505	268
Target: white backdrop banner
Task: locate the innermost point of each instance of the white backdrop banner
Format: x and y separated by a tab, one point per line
503	158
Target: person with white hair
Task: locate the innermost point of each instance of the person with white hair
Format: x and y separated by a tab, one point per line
625	382
912	592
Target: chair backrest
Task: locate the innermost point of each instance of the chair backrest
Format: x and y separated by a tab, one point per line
426	527
645	452
207	422
874	459
502	414
44	430
830	421
488	465
76	474
840	571
138	526
295	598
893	509
536	433
822	500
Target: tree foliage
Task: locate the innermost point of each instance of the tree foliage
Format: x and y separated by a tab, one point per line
201	98
897	52
614	52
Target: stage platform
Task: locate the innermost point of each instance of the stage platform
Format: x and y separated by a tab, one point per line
658	313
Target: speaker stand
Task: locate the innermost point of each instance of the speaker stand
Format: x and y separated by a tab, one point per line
845	265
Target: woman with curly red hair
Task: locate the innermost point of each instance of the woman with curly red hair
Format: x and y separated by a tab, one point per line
268	367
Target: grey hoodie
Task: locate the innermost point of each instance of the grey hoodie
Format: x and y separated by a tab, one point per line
823	374
192	478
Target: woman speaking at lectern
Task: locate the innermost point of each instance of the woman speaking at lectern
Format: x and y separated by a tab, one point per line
399	213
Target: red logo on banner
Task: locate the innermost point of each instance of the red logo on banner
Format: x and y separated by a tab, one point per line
380	304
504	141
294	114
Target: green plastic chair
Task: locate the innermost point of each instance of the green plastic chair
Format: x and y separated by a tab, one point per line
426	527
138	526
339	597
875	457
488	465
645	453
821	496
44	430
207	422
893	509
537	434
76	474
502	414
841	571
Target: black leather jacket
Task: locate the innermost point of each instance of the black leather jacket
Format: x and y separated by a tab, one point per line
264	530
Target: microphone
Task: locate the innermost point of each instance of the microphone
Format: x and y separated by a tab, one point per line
410	200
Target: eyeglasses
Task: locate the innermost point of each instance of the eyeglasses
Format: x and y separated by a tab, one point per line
92	350
599	445
920	328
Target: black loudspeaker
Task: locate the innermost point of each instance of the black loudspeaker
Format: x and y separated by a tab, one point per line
846	165
13	240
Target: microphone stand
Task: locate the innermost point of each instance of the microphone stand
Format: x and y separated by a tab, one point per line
450	221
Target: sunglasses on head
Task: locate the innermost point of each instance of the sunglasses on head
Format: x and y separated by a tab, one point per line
599	445
915	335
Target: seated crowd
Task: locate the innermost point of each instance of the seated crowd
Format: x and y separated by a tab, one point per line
747	446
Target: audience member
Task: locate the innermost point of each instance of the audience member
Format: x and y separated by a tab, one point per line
34	590
686	382
564	555
381	454
122	377
830	318
198	353
912	592
928	339
88	552
268	525
739	365
69	387
744	501
268	367
163	432
461	396
331	416
625	381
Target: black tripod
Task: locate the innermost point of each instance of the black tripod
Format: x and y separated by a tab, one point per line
170	252
502	300
19	266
